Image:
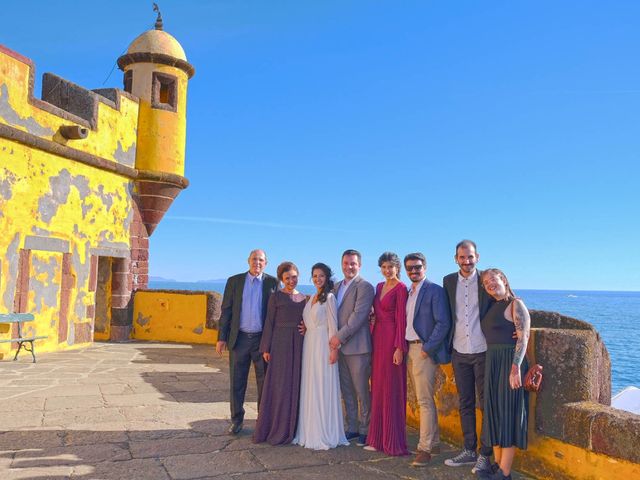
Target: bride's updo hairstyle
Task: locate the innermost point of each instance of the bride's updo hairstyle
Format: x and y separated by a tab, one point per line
328	285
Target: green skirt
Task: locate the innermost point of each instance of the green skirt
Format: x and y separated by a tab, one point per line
506	411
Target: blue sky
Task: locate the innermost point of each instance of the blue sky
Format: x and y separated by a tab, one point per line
316	126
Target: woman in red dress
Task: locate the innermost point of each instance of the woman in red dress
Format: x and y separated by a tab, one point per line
387	427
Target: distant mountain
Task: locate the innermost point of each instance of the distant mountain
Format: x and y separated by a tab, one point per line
153	278
160	279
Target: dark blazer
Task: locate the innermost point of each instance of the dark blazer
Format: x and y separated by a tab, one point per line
450	283
229	323
432	321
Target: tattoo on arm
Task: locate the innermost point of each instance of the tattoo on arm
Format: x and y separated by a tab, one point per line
522	322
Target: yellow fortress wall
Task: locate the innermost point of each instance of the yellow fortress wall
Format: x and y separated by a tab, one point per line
85	177
56	211
176	316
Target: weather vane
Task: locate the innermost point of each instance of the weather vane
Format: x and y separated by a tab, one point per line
159	19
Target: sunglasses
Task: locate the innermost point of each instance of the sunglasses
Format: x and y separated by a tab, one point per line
414	268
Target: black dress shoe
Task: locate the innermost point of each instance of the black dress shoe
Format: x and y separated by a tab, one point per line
351	435
234	428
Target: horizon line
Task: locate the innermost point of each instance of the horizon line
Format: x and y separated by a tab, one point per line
516	289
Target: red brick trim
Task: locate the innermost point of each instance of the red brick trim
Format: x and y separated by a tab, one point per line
93	273
21	297
65	298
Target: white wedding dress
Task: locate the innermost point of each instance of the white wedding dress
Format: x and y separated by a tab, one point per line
320	424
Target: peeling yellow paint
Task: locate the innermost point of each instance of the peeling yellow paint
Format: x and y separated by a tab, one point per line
44	296
62	204
102	323
74	205
162	136
115	130
171	317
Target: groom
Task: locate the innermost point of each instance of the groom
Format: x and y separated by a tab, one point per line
354	297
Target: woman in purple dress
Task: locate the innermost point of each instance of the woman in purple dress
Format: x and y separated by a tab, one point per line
387	427
281	348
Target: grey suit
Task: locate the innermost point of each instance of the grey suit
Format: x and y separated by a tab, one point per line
355	352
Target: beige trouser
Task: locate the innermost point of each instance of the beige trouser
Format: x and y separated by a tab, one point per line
423	372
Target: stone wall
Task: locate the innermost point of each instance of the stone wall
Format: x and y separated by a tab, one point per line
176	316
573	432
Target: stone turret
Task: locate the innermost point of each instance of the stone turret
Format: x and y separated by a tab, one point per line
156	71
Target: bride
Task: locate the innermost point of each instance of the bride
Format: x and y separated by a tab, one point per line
320	424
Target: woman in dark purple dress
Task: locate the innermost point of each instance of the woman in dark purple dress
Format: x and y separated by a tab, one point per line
387	427
281	348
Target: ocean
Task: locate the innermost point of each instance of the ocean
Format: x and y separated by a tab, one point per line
616	316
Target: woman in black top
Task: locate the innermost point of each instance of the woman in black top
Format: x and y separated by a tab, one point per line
506	403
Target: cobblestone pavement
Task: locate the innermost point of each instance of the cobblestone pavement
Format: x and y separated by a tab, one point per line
156	411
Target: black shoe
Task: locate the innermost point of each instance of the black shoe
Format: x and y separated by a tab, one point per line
496	475
234	428
351	435
362	441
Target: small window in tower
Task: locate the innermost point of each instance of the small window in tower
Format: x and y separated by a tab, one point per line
164	92
128	81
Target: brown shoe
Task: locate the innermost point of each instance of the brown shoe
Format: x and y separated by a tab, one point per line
422	459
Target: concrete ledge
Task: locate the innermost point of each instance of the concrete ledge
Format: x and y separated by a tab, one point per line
47	244
578	419
616	433
576	369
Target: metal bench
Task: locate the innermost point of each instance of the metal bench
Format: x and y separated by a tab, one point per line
21	340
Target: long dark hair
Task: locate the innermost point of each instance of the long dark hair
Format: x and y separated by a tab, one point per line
328	285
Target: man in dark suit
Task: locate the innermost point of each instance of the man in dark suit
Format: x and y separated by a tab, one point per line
428	325
469	302
244	308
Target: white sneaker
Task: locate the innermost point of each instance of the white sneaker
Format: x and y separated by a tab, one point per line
465	457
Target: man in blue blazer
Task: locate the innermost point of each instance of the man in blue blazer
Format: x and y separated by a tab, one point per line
244	308
428	325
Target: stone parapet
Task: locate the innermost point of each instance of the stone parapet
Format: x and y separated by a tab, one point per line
110	115
573	432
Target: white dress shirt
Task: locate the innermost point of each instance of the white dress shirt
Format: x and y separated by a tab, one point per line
344	286
411	334
468	337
